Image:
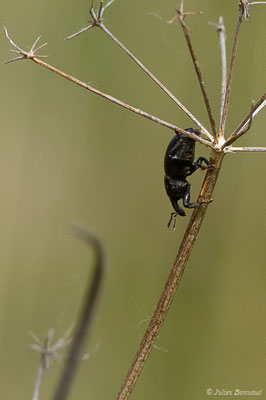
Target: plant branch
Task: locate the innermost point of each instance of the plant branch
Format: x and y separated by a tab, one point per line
38	382
157	81
231	68
232	149
173	280
255	3
220	28
32	56
48	352
97	21
44	361
181	15
84	322
244	124
121	103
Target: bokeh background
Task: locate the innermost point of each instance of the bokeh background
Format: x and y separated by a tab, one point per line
67	155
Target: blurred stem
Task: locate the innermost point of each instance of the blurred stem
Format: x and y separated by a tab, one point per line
174	278
255	3
38	381
86	314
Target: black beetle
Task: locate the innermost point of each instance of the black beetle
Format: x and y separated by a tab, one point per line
178	164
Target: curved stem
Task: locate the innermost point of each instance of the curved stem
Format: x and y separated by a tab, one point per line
173	280
86	314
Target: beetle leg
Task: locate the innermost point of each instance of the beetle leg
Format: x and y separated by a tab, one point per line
177	208
199	162
178	211
186	200
173	215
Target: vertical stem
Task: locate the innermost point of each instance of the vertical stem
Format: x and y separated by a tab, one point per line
230	76
38	382
173	280
199	74
222	38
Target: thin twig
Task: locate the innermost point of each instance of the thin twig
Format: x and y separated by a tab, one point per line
97	21
48	353
44	361
32	56
222	39
232	149
121	103
181	16
244	4
79	32
92	294
24	54
255	3
157	81
230	76
173	280
38	382
241	128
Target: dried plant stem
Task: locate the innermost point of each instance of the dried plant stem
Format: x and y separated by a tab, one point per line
156	80
222	39
31	55
38	381
173	280
120	103
47	352
245	149
230	76
240	130
87	312
255	3
197	68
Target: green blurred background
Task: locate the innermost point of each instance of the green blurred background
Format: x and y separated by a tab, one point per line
67	155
